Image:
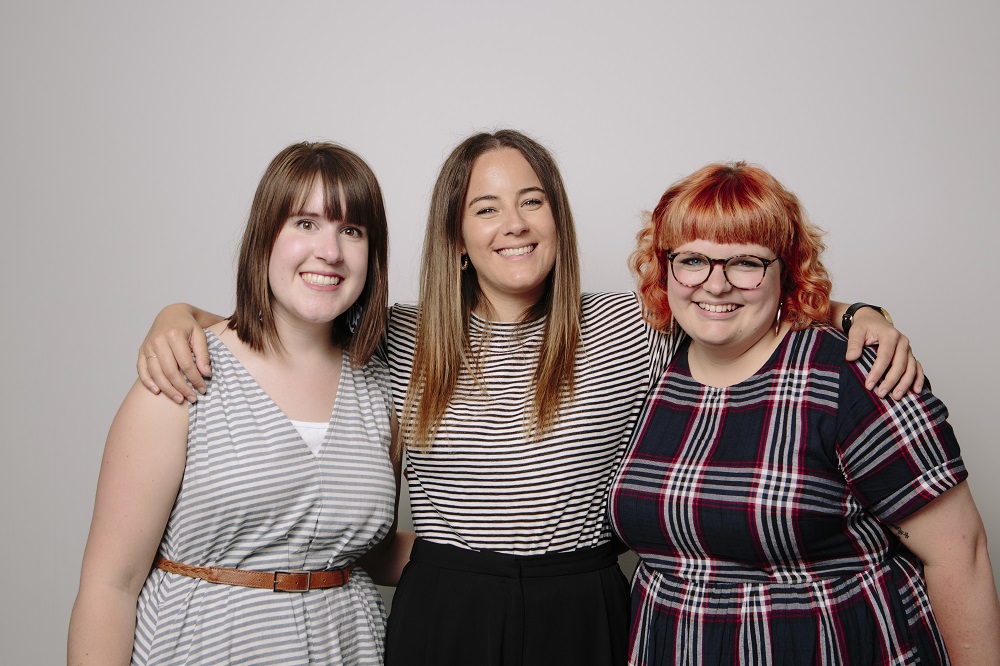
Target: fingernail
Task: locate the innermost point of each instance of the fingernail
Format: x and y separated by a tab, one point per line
179	400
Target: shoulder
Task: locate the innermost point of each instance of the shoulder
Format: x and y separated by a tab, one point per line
611	307
403	320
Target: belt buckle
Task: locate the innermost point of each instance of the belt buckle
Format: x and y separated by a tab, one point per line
274	583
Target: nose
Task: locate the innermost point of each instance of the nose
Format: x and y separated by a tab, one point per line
328	246
716	282
514	222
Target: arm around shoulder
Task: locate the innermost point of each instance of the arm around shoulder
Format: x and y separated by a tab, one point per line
175	352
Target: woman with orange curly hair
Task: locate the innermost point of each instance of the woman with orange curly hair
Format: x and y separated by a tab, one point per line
783	514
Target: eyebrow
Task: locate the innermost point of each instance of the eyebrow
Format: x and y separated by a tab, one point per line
493	197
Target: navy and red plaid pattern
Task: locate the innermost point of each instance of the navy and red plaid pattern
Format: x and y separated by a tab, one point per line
760	513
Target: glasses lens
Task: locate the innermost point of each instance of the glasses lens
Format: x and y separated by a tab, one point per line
691	268
745	271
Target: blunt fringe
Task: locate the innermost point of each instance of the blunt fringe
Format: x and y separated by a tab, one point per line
734	203
448	296
351	189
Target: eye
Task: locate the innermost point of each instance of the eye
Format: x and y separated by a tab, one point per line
532	203
691	261
305	225
746	263
486	211
354	232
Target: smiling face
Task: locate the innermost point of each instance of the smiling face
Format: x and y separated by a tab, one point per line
508	231
720	318
317	266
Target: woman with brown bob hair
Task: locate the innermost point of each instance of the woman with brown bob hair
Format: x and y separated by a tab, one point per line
518	395
783	514
227	531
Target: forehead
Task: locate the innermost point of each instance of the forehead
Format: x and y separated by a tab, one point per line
319	196
717	250
500	172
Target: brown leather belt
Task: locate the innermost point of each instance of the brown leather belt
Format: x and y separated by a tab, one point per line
277	581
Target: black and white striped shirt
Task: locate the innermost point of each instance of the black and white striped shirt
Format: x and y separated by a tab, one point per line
483	485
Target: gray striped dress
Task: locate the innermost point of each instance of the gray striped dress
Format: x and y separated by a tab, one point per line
255	497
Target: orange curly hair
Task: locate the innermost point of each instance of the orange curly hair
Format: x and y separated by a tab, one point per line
734	203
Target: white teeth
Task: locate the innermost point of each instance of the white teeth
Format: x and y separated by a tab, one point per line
515	251
708	307
321	280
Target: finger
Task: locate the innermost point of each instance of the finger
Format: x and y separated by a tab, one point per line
142	367
854	346
906	381
174	381
897	367
918	383
180	348
199	346
157	374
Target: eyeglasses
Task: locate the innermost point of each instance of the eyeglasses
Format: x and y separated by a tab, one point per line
743	271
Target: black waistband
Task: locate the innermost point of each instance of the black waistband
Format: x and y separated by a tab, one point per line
513	566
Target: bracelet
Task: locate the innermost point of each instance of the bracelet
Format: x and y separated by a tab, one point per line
848	317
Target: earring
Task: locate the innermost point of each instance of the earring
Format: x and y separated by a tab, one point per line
353	316
777	320
260	316
465	262
670	329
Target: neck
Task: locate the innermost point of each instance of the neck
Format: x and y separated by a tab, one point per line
300	339
501	309
720	366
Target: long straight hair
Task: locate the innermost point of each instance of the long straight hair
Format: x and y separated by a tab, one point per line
350	192
448	295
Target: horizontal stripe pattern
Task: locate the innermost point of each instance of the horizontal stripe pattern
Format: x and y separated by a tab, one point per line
484	485
255	497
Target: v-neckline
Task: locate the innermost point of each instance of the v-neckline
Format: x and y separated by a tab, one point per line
242	370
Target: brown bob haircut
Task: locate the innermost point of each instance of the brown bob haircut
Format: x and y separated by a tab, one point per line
448	295
734	203
351	193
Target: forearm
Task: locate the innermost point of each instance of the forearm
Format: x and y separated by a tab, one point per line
101	627
204	318
964	601
385	562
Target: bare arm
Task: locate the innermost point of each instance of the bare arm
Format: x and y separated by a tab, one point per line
949	538
140	475
894	361
175	352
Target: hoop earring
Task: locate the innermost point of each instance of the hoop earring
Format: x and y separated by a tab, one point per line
777	321
465	262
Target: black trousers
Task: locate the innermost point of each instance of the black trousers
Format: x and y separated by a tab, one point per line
459	607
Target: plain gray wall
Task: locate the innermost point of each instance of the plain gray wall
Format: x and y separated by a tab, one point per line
133	136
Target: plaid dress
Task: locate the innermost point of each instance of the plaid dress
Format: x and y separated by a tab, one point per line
760	514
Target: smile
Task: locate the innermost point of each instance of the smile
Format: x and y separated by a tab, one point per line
708	307
517	251
322	280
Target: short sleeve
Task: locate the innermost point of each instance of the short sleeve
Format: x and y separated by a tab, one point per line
897	455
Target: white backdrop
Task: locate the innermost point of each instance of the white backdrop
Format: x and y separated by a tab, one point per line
133	136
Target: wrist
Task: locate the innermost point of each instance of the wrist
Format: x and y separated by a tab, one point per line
848	319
